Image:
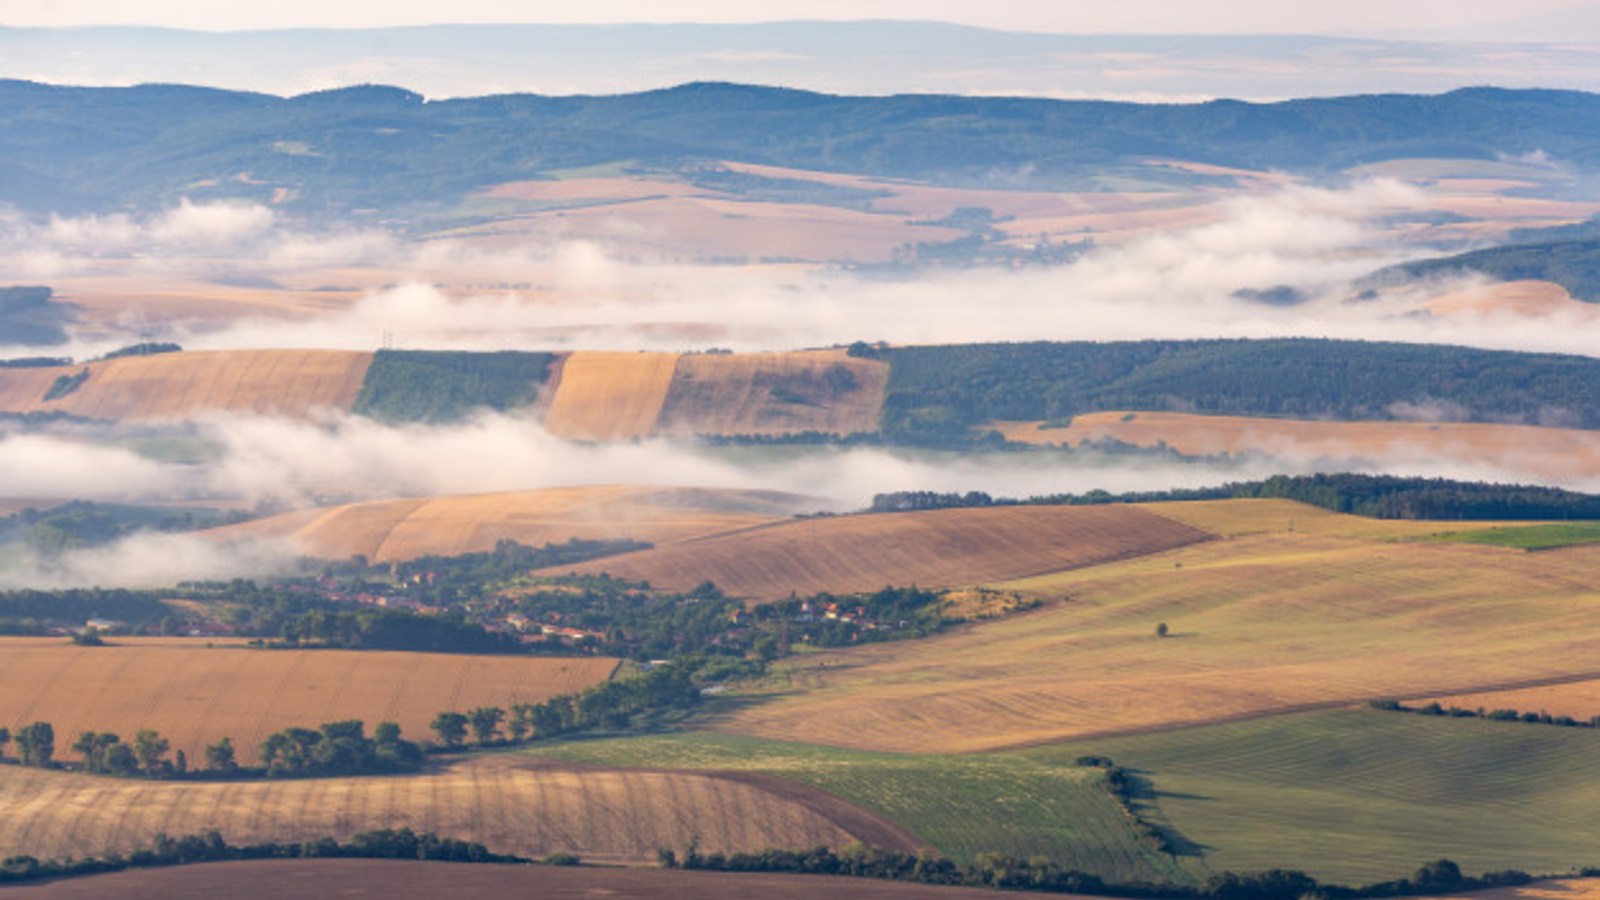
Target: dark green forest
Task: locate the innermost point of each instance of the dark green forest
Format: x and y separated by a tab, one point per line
937	394
444	386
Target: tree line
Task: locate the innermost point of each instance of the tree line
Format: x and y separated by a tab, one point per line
1434	708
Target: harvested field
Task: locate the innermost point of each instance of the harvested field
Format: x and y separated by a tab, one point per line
1517	298
774	393
610	396
506	802
318	878
1264	623
1237	518
176	386
195	695
385	530
935	548
1578	699
1551	452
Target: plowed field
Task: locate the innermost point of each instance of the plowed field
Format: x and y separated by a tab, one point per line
506	802
1263	623
936	548
774	393
385	530
195	695
174	386
610	396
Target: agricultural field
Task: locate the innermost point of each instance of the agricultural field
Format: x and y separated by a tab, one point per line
1358	795
1548	536
387	530
506	802
1550	452
961	806
313	879
177	386
774	393
1268	622
1578	700
610	396
932	548
196	694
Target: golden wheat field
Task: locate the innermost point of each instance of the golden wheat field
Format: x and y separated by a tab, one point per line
605	396
508	802
934	548
774	393
1552	452
386	530
175	386
1267	622
195	695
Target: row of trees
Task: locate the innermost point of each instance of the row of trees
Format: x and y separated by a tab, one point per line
998	870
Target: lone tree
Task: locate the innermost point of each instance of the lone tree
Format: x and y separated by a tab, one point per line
451	727
1161	630
5	738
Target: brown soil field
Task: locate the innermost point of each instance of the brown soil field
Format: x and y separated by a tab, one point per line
1578	699
195	695
508	802
175	386
1553	452
385	530
404	880
605	396
577	190
935	548
774	393
1531	299
1264	623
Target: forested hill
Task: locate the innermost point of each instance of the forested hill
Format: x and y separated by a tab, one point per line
938	392
1573	264
386	149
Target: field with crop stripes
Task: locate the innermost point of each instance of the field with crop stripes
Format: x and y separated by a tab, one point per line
605	396
1262	623
774	393
195	695
385	530
960	805
933	548
502	801
177	386
1359	795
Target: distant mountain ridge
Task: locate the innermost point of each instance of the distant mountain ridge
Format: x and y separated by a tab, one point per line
392	153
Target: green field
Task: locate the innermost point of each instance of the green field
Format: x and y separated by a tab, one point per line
1530	537
445	386
1356	796
961	805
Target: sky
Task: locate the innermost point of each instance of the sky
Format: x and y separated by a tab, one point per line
1366	18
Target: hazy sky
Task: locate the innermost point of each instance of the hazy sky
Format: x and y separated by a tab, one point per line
1398	18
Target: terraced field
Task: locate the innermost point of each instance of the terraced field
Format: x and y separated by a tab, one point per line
505	802
935	548
1548	452
385	530
1357	796
610	396
195	695
1269	622
960	805
774	393
177	386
